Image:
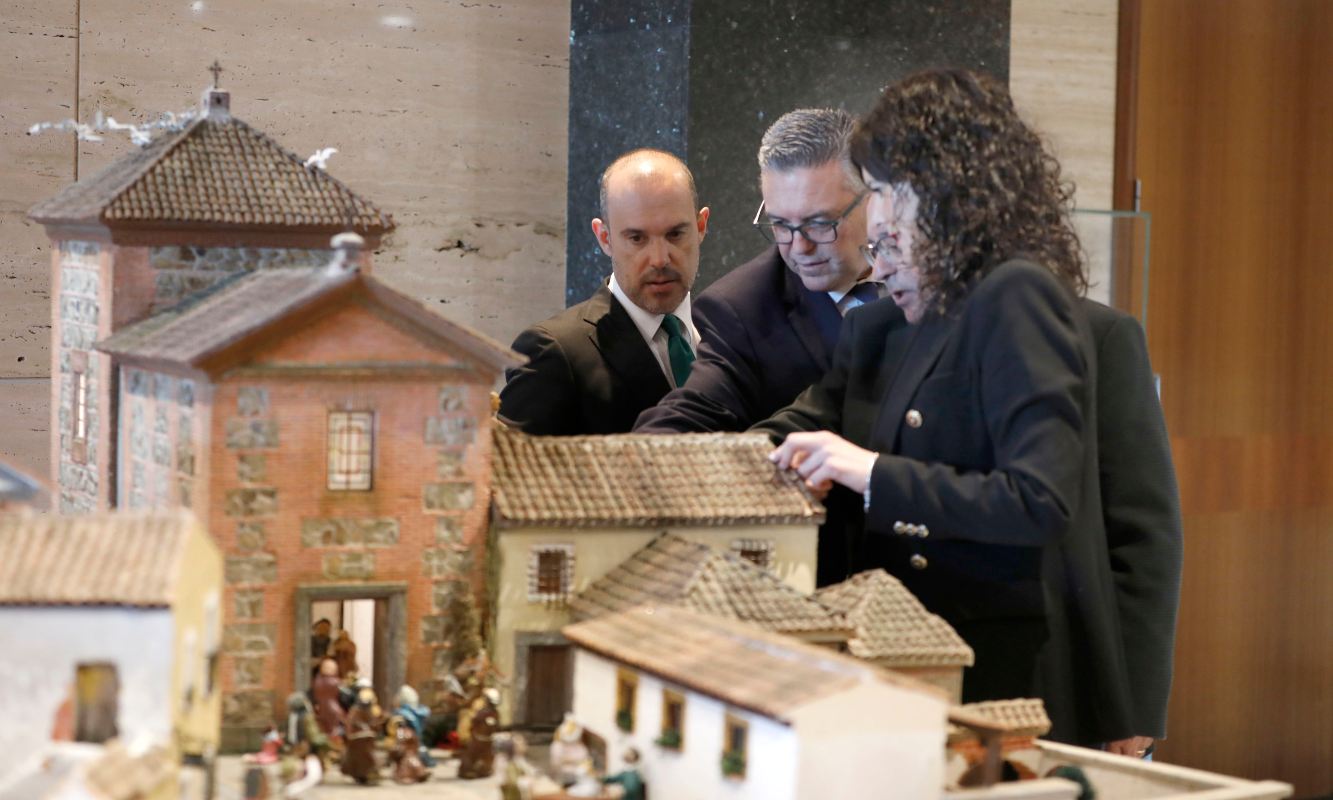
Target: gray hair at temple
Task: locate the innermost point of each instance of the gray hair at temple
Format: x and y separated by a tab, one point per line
806	137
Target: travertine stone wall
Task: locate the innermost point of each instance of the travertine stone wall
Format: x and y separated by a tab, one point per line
1062	72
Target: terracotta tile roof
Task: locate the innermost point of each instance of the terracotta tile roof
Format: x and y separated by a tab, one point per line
892	627
643	480
120	775
670	570
216	171
739	664
117	559
239	307
1023	717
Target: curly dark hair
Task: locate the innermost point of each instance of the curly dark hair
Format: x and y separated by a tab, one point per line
988	189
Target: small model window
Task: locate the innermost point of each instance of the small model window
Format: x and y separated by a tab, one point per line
757	551
96	702
627	690
735	741
351	450
78	364
550	573
673	720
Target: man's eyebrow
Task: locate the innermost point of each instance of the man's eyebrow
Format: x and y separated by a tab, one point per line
822	216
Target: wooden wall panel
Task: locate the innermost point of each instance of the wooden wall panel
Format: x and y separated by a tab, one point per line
1234	146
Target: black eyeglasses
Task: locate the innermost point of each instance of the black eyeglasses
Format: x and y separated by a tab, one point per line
816	231
879	248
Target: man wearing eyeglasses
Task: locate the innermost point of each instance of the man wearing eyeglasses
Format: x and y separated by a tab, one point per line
770	326
593	367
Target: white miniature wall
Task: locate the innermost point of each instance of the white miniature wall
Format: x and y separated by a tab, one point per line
39	651
695	772
874	729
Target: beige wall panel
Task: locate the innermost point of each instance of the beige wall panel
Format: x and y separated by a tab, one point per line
25	434
1062	60
38	44
451	116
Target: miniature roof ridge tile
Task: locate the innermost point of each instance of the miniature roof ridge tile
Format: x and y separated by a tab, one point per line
643	480
114	559
892	625
740	664
207	323
672	570
214	172
1019	717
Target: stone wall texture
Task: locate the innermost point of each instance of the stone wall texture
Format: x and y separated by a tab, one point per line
79	478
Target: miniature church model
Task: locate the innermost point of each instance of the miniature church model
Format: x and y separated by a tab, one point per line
193	207
217	353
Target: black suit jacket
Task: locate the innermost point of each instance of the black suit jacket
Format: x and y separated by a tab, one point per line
1141	506
589	371
985	421
765	339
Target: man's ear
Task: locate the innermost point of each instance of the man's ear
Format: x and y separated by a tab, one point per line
602	232
703	221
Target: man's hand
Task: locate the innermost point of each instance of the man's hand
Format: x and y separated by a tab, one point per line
824	458
1134	746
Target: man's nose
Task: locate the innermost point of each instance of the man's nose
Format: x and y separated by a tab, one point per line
801	243
659	252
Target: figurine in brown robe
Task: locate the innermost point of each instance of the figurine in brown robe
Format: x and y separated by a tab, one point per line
328	711
343	650
478	757
358	762
406	756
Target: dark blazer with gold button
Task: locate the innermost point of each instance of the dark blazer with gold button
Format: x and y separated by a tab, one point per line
986	424
589	371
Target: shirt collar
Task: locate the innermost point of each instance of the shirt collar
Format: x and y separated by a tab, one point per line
648	322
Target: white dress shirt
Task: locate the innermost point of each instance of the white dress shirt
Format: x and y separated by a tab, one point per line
650	326
846	301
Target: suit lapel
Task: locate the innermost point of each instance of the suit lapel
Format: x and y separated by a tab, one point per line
626	354
928	340
813	315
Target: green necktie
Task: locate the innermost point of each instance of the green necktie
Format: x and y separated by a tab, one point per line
678	348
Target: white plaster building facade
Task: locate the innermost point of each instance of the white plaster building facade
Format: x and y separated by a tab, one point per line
800	723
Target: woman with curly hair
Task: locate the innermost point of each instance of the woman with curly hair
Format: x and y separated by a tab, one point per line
970	433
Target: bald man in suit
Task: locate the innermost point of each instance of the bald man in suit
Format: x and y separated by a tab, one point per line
595	366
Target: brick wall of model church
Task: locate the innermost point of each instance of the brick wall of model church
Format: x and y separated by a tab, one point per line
422	522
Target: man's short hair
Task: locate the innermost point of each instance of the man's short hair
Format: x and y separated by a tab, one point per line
601	182
806	137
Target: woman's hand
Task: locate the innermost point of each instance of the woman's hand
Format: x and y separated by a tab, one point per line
824	458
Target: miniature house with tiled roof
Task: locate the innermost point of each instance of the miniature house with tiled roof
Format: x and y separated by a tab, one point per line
567	510
719	708
894	630
193	207
333	433
670	570
119	616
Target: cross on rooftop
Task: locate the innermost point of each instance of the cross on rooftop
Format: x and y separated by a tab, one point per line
216	69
